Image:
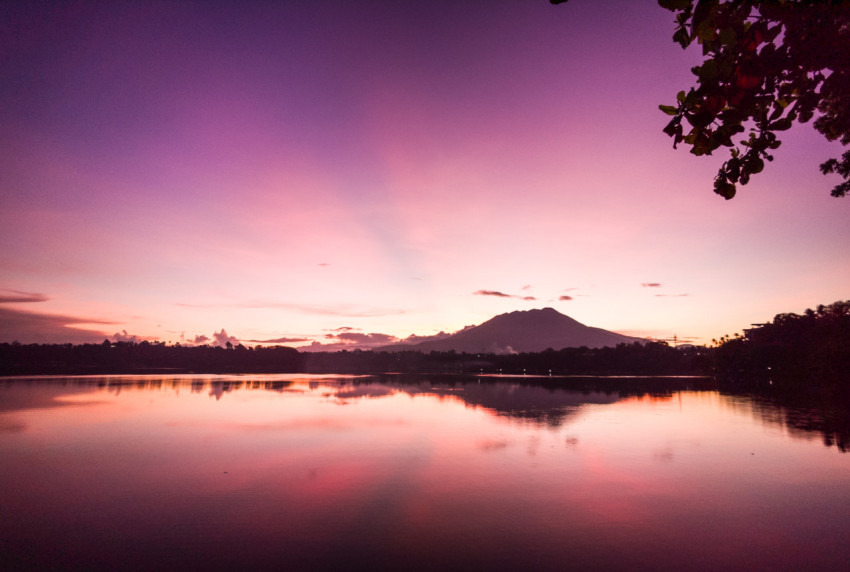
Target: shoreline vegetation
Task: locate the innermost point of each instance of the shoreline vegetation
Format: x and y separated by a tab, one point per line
794	354
653	359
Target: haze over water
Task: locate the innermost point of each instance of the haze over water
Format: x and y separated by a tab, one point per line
296	472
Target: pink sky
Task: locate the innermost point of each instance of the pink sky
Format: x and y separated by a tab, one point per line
280	172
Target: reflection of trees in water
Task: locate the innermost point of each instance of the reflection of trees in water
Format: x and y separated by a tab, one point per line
552	418
371	390
217	385
804	417
544	401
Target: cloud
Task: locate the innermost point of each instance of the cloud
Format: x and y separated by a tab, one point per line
658	285
356	340
415	339
491	293
323	264
526	287
363	339
123	336
221	339
351	341
565	298
198	340
16	296
498	294
279	341
36	328
343	329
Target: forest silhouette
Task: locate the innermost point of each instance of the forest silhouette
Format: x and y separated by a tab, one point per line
155	357
794	353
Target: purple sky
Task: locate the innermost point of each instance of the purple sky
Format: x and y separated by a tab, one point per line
300	170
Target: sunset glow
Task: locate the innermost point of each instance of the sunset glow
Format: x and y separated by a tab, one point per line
268	173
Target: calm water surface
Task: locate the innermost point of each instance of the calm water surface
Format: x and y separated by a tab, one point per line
295	472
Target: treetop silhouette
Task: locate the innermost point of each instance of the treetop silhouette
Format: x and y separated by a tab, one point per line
768	64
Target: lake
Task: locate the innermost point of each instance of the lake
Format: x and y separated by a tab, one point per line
294	472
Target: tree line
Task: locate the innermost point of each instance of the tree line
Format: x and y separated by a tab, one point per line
155	357
144	357
809	351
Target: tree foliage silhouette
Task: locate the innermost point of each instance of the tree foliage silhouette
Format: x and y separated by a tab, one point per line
768	64
796	350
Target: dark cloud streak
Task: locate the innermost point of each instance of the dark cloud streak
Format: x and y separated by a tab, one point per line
36	328
8	296
495	293
279	341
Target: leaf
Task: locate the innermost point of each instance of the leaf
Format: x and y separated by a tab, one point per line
668	109
674	127
702	144
829	166
706	33
727	36
674	4
682	38
724	188
781	124
680	97
841	190
755	165
707	71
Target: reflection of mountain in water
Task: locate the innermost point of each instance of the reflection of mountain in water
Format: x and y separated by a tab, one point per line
550	401
547	406
531	402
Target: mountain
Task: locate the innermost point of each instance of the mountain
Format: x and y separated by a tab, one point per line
522	331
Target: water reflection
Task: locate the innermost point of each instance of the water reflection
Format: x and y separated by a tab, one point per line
830	419
305	472
542	401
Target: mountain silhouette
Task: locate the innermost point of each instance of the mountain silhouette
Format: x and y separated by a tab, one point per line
522	331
